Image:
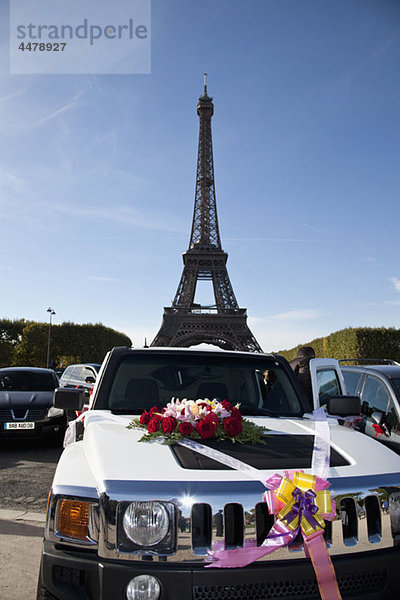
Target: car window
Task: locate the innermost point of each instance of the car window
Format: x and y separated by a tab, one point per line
260	387
396	385
351	380
88	372
67	373
26	381
328	385
76	374
375	396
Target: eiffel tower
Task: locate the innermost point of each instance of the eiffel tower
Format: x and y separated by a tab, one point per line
186	323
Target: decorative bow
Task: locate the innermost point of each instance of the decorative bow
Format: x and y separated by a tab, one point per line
301	500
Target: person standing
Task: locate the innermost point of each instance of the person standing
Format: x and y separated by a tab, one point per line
301	368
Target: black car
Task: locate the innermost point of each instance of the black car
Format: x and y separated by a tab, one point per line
378	386
26	403
83	376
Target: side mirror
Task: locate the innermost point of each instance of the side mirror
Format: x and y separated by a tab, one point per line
381	423
377	417
69	398
344	406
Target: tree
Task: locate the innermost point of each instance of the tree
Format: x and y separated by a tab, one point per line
10	337
32	349
70	343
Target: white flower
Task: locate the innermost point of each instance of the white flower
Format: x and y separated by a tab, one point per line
193	410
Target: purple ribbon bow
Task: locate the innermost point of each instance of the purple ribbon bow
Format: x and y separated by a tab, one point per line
304	506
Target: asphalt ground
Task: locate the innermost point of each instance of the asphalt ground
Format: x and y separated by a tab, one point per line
26	473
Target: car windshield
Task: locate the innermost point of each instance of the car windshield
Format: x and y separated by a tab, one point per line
261	387
26	381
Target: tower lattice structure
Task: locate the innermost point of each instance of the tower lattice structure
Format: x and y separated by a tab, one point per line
223	323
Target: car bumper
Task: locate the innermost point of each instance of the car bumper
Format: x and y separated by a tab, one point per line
54	425
73	575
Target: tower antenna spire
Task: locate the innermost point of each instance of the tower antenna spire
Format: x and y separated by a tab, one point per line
205	84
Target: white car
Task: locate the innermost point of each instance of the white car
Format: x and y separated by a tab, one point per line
131	520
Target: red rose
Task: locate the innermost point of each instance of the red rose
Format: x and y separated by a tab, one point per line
236	414
212	417
232	426
144	418
205	429
155	413
227	405
153	425
185	428
168	424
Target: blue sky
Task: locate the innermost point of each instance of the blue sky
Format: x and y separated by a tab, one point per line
97	173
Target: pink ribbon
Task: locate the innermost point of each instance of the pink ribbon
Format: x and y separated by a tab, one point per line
281	534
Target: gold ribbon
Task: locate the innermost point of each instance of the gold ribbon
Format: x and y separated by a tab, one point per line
304	483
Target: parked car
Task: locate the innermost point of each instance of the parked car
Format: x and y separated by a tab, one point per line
128	519
378	386
80	376
26	403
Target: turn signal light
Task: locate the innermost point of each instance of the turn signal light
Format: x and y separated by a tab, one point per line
72	519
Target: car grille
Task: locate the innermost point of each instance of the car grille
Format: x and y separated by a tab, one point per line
361	523
22	414
357	583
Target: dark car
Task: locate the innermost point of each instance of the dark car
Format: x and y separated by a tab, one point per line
378	386
83	376
26	403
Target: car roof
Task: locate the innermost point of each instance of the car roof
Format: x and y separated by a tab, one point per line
85	365
194	350
31	369
390	371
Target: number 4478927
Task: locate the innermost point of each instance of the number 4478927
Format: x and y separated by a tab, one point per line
42	47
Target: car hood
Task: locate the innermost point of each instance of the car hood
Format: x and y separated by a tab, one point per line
29	399
115	457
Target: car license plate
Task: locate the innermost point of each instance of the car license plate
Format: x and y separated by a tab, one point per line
24	425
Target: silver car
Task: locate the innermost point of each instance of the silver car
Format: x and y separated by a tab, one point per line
378	386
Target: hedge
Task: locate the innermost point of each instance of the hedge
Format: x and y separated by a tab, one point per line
352	342
25	343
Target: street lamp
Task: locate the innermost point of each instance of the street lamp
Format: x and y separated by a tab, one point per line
51	312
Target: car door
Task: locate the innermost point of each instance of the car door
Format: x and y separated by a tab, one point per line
378	397
326	380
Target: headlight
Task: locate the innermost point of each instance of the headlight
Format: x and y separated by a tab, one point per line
143	587
146	523
54	412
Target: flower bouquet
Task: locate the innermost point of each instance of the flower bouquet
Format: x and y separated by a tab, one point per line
197	420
